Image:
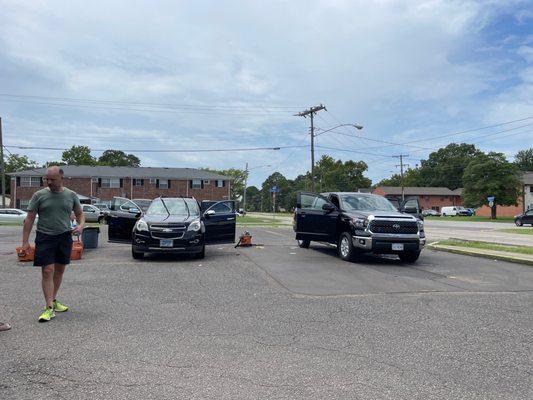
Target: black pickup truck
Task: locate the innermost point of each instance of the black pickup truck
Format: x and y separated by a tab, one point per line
357	223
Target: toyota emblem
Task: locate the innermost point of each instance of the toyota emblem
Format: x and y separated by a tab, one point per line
396	226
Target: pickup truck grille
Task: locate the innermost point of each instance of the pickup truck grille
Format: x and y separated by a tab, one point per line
377	226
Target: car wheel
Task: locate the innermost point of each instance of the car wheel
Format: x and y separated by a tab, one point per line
137	255
304	244
200	255
518	222
409	256
345	247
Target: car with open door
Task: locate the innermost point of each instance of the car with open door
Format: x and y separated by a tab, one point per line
179	225
357	223
123	214
408	205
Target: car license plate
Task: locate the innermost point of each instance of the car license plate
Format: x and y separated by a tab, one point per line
166	242
397	246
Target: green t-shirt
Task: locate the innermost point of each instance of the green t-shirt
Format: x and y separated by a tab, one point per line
54	210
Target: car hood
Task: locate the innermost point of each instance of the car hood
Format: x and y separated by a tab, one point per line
382	214
169	219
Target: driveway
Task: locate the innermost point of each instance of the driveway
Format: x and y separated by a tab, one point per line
271	321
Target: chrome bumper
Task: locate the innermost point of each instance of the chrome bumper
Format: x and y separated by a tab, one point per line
365	242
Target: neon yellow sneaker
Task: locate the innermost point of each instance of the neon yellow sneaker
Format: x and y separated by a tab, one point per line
47	315
59	307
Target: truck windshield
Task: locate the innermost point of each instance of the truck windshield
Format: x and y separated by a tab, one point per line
175	207
366	203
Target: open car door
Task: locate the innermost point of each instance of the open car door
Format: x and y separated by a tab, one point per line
219	220
121	219
316	217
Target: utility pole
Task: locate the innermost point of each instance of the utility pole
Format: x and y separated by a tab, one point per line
3	168
311	112
244	195
401	156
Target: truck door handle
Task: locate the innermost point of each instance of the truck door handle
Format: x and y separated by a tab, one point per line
230	219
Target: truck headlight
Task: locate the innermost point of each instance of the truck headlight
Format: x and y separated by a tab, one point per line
195	225
360	223
141	225
420	225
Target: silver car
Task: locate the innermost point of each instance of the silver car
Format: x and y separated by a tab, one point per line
92	213
12	216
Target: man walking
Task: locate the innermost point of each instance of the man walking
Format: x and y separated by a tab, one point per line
53	242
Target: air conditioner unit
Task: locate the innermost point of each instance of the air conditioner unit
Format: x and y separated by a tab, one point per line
94	180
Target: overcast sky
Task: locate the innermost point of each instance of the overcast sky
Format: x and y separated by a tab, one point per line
180	75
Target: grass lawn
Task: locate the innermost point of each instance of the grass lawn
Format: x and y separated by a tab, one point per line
520	231
269	221
488	246
473	218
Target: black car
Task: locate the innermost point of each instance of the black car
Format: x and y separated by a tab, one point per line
357	223
525	218
174	225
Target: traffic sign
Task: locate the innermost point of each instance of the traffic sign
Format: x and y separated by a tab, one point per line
274	189
491	204
490	199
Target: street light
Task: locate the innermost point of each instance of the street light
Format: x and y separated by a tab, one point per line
356	126
246	183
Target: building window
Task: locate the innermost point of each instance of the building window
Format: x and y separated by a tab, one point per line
30	181
163	184
196	184
220	183
207	182
110	182
153	181
138	182
531	189
24	204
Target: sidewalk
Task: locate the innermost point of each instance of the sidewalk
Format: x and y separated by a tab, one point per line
485	253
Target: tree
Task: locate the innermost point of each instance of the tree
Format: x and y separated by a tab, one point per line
117	158
335	175
524	160
283	196
78	155
253	199
237	184
491	175
16	163
411	177
445	167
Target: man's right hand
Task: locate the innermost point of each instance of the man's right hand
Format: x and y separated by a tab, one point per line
25	246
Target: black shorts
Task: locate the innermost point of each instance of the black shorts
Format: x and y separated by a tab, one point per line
52	249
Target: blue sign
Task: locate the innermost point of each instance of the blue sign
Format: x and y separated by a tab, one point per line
274	189
490	199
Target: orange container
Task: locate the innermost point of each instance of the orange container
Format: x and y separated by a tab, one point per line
26	255
77	250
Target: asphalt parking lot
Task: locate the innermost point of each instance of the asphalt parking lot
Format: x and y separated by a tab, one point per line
268	322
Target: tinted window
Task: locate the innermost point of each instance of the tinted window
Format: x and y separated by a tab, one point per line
311	202
144	204
88	209
335	200
366	203
221	208
411	203
128	205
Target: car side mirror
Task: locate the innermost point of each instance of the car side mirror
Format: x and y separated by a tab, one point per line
134	211
208	213
328	207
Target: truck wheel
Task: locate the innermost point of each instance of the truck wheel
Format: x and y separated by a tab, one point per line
518	222
304	244
137	255
410	256
345	247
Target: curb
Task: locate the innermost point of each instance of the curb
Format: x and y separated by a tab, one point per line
462	251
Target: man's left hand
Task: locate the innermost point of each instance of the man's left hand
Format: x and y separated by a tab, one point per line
77	230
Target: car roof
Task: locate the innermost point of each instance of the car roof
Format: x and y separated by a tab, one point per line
357	193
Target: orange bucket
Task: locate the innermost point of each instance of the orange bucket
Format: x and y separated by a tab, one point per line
26	255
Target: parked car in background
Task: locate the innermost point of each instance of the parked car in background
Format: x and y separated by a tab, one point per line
357	223
465	212
92	213
430	213
12	216
525	218
104	208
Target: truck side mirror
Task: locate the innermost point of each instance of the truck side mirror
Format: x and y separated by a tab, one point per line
328	207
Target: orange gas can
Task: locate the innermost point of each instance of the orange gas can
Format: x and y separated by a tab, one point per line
26	255
77	250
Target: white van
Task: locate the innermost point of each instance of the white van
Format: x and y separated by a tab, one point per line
449	211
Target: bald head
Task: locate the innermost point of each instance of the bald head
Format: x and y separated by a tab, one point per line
54	178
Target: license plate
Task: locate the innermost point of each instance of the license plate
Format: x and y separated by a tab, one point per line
166	242
397	246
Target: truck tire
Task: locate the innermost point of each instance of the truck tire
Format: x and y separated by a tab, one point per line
304	243
345	247
137	255
409	256
518	222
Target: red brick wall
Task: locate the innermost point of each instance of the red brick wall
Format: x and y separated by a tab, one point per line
431	201
147	191
502	211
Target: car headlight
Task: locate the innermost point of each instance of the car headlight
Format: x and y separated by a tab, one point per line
420	225
195	225
141	225
360	223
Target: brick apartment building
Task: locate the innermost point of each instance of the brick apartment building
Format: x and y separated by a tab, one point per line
433	198
101	184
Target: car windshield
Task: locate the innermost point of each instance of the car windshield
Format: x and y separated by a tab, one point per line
144	204
174	206
366	203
